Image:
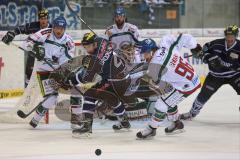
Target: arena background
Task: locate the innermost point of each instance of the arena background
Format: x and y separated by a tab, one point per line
205	19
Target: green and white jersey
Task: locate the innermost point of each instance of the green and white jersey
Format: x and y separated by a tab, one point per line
174	69
57	51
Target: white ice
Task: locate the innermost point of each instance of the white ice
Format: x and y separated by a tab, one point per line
213	135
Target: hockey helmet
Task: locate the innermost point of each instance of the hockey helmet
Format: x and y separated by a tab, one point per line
88	38
60	22
43	13
231	30
119	11
147	45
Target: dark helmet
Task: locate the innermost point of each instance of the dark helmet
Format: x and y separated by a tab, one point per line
147	45
88	38
119	11
60	22
231	30
43	13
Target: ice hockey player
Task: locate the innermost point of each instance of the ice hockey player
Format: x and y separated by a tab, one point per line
56	47
223	59
167	64
123	33
100	61
28	29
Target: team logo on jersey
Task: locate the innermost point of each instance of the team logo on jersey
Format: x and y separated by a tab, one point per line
234	55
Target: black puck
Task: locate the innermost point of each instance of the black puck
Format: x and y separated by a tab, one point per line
98	152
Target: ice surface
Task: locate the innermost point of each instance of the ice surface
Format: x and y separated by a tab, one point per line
213	135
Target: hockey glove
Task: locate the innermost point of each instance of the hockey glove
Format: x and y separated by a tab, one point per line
8	37
70	79
197	52
39	51
215	62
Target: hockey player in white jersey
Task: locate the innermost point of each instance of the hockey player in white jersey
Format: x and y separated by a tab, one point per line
167	64
122	34
55	46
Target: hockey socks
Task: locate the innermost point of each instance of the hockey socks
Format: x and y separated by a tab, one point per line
40	112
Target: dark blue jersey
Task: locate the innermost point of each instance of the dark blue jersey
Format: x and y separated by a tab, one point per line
103	62
222	61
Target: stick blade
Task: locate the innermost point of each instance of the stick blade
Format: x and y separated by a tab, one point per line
21	114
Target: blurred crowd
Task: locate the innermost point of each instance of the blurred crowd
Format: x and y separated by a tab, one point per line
101	3
145	6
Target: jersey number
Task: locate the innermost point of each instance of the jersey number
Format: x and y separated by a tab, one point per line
184	69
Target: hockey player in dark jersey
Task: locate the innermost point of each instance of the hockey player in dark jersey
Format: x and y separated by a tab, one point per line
223	59
28	29
99	61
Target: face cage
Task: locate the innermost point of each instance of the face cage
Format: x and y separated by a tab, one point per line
128	52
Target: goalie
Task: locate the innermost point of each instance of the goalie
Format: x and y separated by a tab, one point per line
55	47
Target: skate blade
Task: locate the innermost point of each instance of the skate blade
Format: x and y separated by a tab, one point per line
187	119
176	132
76	126
84	135
122	130
146	138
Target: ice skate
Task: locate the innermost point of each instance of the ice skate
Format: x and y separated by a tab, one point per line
33	123
187	116
175	128
76	121
146	133
86	129
122	124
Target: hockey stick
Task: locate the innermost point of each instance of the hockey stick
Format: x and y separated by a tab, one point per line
23	115
188	56
31	53
69	7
